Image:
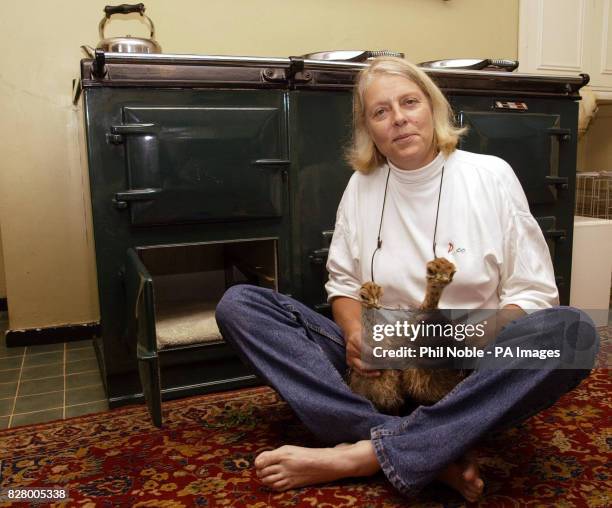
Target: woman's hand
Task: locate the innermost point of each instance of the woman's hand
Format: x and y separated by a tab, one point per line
347	313
353	341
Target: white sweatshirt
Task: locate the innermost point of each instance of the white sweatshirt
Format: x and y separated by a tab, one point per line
484	227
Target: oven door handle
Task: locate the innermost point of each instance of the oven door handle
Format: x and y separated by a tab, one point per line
134	128
272	162
319	256
117	132
558	235
123	198
562	134
557	181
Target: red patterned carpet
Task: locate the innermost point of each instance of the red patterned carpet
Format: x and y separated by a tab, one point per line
204	456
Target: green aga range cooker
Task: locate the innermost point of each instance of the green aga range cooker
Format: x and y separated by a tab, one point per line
210	171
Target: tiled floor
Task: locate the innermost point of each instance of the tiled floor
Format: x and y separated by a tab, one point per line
43	383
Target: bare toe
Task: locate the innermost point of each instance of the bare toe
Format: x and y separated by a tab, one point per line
281	485
268	470
272	479
464	477
263	460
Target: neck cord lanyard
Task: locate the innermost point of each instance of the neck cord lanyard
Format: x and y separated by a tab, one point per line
437	211
382	213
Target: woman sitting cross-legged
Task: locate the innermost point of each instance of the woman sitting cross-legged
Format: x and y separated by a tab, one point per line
412	188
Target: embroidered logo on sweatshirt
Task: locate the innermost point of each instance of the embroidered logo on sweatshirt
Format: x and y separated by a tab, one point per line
458	250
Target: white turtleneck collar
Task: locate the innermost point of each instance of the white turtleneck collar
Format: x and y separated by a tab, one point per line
420	175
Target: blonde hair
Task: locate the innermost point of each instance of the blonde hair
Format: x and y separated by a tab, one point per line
363	155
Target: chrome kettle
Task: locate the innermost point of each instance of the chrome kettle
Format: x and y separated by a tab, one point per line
127	44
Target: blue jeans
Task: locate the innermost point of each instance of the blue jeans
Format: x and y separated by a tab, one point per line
302	355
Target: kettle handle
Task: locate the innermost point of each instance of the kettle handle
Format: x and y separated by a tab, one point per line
109	10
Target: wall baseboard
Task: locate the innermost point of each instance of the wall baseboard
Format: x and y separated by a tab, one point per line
3	304
51	335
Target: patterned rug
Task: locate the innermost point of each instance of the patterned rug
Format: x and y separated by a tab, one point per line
204	455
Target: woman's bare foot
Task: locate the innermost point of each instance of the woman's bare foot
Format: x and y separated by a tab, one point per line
464	477
289	467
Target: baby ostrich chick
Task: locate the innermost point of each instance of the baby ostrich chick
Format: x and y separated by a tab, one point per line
427	386
389	390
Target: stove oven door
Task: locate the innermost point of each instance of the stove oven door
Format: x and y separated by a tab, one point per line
215	156
320	127
141	324
535	137
529	142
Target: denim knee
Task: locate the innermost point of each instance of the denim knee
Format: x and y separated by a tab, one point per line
579	334
235	301
577	326
565	329
580	341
